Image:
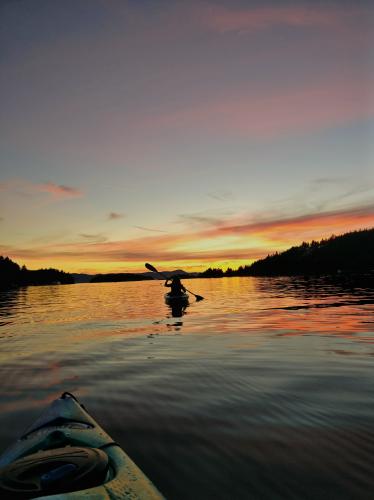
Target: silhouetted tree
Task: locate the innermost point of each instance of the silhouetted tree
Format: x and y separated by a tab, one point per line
12	275
9	271
212	273
349	253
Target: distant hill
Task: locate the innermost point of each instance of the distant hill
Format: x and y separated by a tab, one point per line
101	278
112	277
169	274
348	253
82	277
11	274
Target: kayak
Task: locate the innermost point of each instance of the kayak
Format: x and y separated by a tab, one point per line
66	455
176	299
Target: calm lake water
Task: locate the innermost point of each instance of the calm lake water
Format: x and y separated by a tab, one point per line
264	390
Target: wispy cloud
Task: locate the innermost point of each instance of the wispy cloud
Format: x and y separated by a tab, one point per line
115	216
225	19
206	218
329	180
150	229
341	189
55	191
265	114
306	225
216	17
221	195
201	219
94	238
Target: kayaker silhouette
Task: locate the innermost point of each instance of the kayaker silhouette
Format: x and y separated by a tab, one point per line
176	286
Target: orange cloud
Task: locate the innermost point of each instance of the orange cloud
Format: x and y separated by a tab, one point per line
312	225
246	241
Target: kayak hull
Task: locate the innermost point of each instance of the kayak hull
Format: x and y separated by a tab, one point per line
66	423
176	299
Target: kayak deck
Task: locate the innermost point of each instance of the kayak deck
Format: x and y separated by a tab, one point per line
65	426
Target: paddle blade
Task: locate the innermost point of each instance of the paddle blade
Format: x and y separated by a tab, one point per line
197	297
150	267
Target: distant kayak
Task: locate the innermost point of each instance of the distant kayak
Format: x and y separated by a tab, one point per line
66	455
171	299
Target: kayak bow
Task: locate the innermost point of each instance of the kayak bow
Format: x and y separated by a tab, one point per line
66	455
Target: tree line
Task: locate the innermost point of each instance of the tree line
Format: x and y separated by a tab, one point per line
348	253
351	252
11	274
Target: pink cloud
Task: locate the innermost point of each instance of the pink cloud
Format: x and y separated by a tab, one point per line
223	19
312	225
58	191
114	132
266	114
25	187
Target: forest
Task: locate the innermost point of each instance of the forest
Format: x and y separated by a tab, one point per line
11	274
351	252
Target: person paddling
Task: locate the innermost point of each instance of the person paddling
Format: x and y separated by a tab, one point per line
176	286
154	270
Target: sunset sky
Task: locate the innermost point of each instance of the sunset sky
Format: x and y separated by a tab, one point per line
187	134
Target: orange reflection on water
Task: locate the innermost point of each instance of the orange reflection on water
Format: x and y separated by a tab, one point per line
67	318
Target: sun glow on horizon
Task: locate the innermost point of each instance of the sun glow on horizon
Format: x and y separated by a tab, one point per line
218	257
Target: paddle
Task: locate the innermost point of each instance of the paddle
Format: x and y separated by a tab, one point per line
153	269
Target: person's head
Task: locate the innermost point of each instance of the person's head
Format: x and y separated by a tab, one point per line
176	279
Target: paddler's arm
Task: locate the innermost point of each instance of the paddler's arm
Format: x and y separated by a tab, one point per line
166	283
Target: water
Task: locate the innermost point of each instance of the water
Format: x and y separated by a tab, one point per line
265	390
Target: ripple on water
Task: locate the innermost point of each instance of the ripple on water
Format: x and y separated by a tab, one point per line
263	390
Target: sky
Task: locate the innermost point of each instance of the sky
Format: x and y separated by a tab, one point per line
187	134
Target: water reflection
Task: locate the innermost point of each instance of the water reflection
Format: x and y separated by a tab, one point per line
178	309
329	304
318	288
268	392
10	300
